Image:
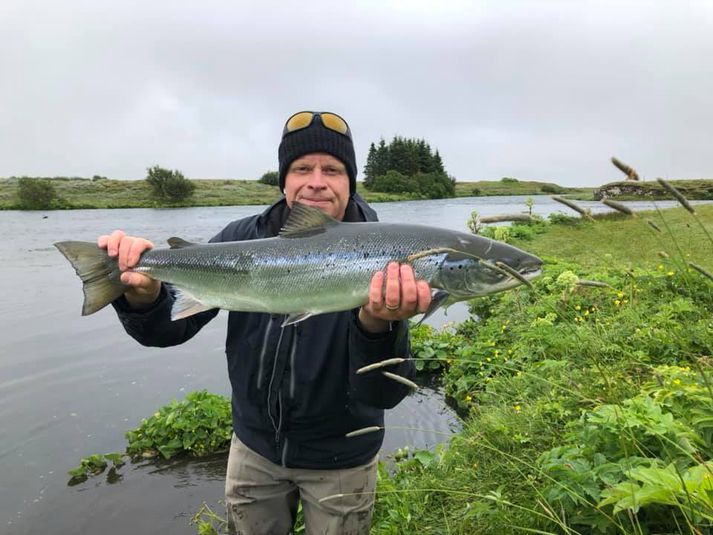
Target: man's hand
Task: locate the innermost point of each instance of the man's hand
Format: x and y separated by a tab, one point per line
143	290
399	298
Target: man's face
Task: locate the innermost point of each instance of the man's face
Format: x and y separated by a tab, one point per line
319	180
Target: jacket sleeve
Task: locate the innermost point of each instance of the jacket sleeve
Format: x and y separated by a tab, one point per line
373	388
153	326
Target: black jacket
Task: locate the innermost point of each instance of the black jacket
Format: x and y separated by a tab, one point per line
295	391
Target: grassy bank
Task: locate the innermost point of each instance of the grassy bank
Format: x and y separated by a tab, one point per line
589	409
505	186
75	193
700	189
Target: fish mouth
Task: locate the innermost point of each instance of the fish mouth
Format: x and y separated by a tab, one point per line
531	271
524	273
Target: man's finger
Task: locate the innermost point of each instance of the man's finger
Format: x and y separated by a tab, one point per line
376	289
136	280
114	241
124	248
424	296
138	246
392	294
409	290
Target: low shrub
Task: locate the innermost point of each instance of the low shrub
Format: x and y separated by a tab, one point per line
199	425
36	194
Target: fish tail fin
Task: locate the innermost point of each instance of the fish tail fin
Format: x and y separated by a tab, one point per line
98	271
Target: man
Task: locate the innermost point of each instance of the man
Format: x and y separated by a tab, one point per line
295	393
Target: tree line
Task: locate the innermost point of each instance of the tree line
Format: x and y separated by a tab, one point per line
407	165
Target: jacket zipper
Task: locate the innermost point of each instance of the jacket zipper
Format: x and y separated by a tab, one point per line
261	361
269	386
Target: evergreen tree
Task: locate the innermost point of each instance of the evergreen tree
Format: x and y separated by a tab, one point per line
370	167
407	165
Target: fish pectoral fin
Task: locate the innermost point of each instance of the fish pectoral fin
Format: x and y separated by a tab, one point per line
306	221
179	243
439	299
296	318
185	305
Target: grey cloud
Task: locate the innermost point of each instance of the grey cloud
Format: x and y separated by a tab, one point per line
536	90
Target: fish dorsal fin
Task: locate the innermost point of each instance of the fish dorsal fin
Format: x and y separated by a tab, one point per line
306	221
179	243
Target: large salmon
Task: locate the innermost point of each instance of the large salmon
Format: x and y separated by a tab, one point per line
317	264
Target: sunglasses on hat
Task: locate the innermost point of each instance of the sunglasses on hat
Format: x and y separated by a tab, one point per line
303	119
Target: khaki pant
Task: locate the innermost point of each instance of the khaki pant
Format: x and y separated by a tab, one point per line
262	497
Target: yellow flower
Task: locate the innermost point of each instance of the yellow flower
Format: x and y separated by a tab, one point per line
586	312
517	408
468	398
670	273
677	381
660	267
617	302
577	307
620	294
488	359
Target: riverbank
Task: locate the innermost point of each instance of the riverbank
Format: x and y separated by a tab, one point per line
588	398
79	193
700	189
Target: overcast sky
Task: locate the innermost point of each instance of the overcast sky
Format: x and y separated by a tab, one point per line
533	90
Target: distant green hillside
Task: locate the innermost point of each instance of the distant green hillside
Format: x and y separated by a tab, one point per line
512	186
77	193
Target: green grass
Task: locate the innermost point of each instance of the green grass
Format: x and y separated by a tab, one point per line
616	239
587	409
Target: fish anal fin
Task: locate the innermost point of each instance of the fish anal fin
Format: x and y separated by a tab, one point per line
185	305
296	318
178	243
306	221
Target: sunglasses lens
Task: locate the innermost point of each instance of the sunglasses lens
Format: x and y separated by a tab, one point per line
334	122
299	120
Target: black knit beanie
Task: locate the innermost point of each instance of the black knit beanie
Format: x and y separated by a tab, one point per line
317	138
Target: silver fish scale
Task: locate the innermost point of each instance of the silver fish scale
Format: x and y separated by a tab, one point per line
323	273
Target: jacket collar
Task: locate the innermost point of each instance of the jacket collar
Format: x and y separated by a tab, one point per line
274	217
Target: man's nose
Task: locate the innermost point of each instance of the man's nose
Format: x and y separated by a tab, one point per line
317	179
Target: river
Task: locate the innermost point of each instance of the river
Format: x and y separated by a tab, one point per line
71	386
